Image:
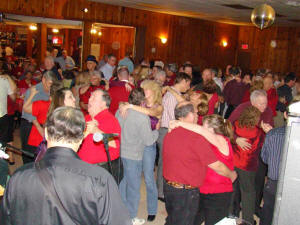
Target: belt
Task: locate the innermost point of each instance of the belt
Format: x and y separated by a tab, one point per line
179	185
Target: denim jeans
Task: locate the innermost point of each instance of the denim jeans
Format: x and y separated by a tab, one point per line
148	169
130	185
181	204
160	184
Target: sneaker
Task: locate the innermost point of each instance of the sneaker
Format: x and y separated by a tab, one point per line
138	221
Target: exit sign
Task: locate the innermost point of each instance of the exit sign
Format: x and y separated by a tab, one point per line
245	46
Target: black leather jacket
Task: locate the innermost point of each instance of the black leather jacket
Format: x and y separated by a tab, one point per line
88	192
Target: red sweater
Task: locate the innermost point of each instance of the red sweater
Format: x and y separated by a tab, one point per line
215	183
247	159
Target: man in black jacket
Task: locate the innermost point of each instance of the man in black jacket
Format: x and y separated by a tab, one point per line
62	189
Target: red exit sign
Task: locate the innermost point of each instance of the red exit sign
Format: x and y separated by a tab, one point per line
245	46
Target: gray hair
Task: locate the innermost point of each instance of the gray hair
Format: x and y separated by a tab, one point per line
161	73
49	75
257	93
49	58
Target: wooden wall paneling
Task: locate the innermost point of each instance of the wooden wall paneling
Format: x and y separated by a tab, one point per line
86	41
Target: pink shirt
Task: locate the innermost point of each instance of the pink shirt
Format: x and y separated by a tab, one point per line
215	183
169	103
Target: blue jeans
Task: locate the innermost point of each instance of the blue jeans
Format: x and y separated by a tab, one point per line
148	169
130	185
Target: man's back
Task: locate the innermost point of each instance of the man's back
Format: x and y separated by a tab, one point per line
87	192
186	156
118	94
136	134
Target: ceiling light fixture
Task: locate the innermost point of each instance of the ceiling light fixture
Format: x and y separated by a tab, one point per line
55	30
93	31
33	27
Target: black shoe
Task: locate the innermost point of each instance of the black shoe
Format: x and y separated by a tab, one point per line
161	199
151	218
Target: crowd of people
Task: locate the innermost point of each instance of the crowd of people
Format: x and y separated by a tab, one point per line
204	140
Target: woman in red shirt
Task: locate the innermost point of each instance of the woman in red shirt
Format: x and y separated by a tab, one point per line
216	191
40	109
246	161
210	89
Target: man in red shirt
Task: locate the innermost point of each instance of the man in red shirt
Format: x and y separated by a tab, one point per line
185	161
119	90
100	120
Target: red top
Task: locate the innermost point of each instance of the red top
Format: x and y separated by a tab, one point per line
211	103
23	84
215	183
186	159
247	159
39	110
94	152
246	97
266	116
118	94
272	99
11	106
86	95
171	80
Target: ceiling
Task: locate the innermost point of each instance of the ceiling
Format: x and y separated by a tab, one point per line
215	10
51	23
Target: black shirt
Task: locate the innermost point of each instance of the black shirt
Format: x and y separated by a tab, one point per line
88	192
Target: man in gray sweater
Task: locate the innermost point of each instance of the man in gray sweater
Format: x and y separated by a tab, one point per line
136	134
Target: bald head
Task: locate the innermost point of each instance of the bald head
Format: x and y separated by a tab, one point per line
268	83
184	111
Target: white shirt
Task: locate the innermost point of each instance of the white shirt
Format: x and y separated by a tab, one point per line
107	71
5	90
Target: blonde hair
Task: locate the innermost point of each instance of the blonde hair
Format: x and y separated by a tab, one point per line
155	88
220	125
203	105
256	85
82	78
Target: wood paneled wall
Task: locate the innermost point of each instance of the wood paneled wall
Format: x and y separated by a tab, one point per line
110	35
188	39
284	57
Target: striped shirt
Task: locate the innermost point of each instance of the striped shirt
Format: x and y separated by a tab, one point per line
169	103
272	149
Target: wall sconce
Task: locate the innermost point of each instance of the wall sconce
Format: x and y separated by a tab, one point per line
224	43
93	31
100	33
55	30
163	40
33	27
85	10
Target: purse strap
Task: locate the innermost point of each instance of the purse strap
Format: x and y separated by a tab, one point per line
49	187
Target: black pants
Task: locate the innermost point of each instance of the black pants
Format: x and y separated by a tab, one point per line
25	129
248	193
213	208
181	204
229	110
269	202
117	169
259	183
4	129
235	202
